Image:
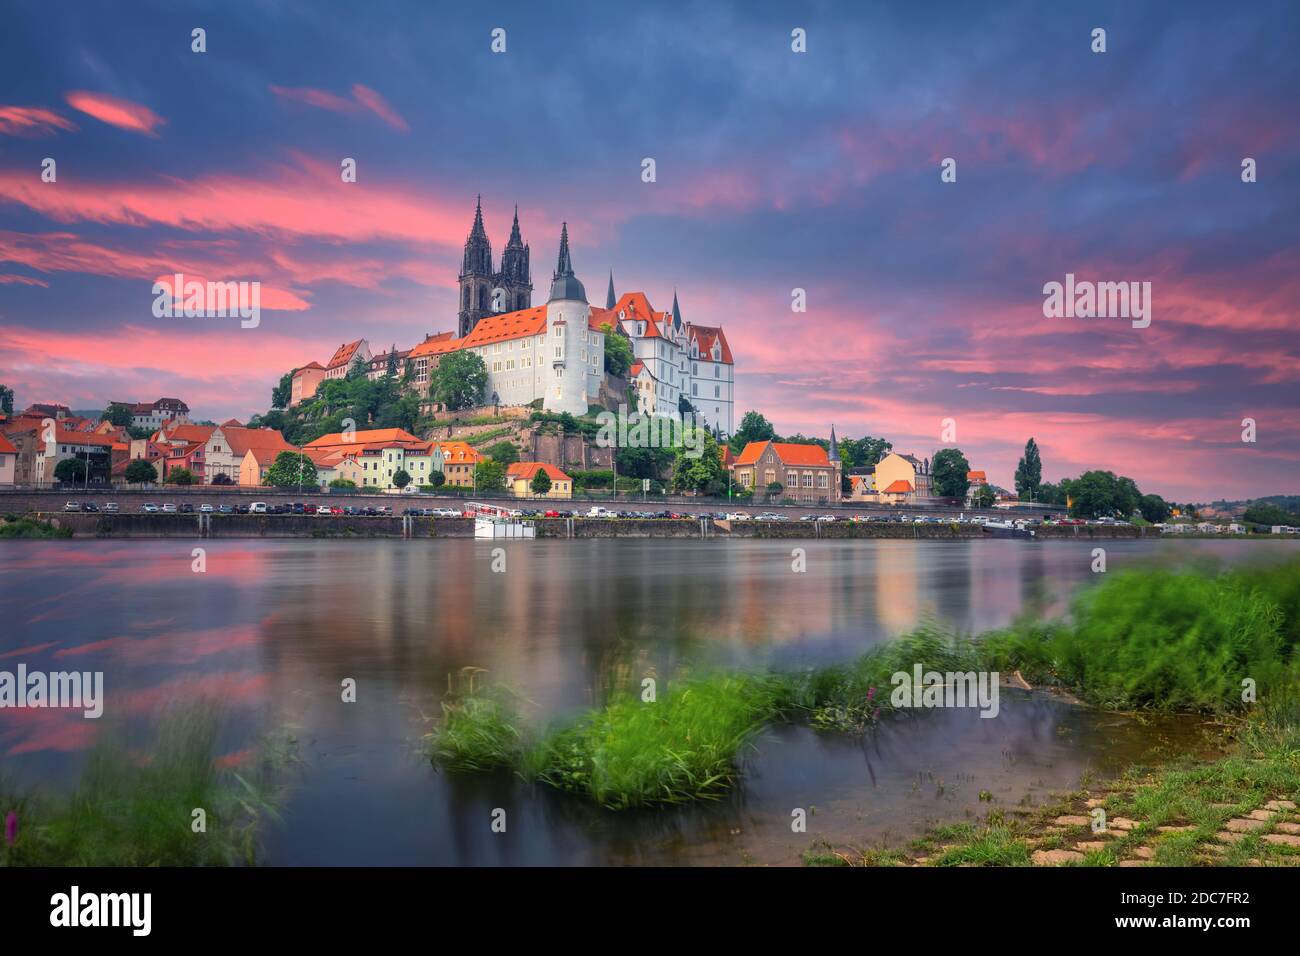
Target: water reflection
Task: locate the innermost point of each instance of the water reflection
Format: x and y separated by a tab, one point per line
272	628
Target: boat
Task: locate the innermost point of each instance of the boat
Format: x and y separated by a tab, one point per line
491	521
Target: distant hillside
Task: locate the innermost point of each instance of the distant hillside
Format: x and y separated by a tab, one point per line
1232	509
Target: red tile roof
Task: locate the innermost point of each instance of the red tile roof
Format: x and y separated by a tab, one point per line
976	476
788	453
439	344
344	353
527	470
369	436
7	447
507	325
901	486
706	336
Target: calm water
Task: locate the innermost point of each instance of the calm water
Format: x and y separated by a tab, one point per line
272	628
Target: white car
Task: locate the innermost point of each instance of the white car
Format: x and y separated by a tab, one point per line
596	511
206	509
738	516
71	506
169	509
257	508
149	509
322	510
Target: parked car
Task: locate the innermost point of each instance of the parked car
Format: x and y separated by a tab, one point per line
110	507
89	506
206	509
187	508
169	509
596	511
225	510
72	506
322	509
257	508
149	508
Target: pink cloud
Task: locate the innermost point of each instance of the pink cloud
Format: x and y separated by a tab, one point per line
8	279
31	121
363	99
115	111
380	107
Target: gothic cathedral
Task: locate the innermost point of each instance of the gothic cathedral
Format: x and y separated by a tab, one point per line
484	291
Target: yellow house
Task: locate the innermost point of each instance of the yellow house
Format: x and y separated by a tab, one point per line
890	470
520	475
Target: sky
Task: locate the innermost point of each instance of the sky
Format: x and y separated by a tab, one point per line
774	171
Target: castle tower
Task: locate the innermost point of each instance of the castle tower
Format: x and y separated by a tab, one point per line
567	313
476	279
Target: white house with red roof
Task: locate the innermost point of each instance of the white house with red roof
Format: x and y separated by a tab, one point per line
8	462
674	360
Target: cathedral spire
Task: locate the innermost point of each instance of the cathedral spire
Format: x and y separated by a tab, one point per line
478	231
566	284
610	300
564	265
834	453
677	312
516	239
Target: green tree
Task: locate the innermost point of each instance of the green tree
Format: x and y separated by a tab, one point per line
437	479
490	476
1154	508
291	470
140	472
223	479
342	483
699	471
180	476
1029	473
753	427
70	470
984	497
618	351
774	489
504	452
401	479
118	414
282	394
6	400
948	472
541	482
1094	494
861	452
392	360
1269	514
459	380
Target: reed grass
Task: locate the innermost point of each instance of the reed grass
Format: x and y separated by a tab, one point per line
133	811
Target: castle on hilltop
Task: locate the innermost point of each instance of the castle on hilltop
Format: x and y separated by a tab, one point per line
556	352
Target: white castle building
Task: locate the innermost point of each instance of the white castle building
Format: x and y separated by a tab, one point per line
556	352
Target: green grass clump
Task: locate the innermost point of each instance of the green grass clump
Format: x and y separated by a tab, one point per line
685	746
127	811
479	732
1180	641
16	526
850	696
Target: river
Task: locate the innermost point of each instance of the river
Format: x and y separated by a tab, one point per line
272	628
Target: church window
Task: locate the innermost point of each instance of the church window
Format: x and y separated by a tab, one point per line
717	391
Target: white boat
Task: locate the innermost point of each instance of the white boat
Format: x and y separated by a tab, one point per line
503	528
493	522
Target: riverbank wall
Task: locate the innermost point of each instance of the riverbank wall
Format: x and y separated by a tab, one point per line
347	526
